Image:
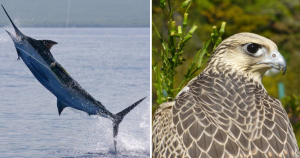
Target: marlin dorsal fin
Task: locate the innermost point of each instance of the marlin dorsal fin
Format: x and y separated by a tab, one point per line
60	106
48	43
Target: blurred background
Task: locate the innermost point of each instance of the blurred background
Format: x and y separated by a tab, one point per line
278	20
77	13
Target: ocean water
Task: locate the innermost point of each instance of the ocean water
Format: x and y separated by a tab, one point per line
112	64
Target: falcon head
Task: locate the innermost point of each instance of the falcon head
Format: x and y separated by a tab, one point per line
249	53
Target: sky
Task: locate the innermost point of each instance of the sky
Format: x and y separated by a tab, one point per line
77	13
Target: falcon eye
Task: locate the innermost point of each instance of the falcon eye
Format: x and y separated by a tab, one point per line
253	48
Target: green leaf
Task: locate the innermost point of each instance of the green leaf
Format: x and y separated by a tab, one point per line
185	3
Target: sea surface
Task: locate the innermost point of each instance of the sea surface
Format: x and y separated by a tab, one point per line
112	64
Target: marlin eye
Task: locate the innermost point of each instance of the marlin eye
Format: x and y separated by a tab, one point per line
253	48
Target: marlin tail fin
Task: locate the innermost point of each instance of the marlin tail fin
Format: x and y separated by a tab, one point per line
119	119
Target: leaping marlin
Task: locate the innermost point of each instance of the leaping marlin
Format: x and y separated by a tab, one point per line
38	58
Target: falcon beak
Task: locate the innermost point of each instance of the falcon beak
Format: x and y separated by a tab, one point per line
276	61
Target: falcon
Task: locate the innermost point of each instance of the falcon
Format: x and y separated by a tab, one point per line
225	112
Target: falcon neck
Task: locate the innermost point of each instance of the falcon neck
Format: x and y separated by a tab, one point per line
229	72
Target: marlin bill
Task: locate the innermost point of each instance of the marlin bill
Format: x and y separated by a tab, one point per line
37	57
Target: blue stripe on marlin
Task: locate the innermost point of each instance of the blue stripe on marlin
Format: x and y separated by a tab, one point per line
37	57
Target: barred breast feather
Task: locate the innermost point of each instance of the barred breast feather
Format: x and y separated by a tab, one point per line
223	114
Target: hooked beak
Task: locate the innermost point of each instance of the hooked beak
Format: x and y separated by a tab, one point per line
18	32
276	61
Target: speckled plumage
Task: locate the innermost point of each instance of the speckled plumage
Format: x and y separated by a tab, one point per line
224	112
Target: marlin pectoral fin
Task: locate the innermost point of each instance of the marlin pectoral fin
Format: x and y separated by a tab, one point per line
61	73
48	43
18	54
60	106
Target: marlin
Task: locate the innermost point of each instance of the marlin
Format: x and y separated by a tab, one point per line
37	57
